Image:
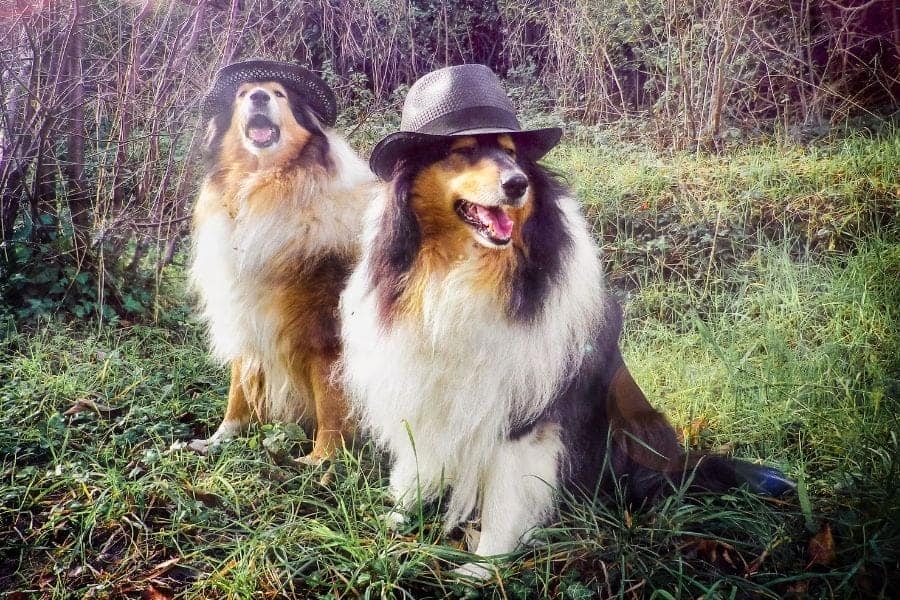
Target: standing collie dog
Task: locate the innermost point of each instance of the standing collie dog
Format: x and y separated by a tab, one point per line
480	346
276	230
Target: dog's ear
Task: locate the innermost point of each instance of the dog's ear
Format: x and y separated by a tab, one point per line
302	113
547	243
317	148
215	132
397	242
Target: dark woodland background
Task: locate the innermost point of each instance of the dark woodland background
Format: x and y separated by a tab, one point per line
98	136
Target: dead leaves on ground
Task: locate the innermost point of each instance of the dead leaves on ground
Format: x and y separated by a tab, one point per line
697	434
821	548
692	433
720	554
90	404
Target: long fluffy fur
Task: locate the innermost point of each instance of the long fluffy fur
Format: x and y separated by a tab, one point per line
274	240
504	391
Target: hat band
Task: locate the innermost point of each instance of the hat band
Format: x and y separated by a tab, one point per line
471	117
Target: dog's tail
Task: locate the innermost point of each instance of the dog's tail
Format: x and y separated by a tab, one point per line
646	454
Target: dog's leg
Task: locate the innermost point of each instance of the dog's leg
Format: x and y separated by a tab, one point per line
331	412
237	414
404	488
517	495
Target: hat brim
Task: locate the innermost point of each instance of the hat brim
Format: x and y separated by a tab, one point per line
314	92
533	143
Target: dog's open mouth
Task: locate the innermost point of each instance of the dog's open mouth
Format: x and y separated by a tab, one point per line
490	222
261	131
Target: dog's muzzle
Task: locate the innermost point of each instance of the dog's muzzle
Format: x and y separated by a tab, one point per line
260	130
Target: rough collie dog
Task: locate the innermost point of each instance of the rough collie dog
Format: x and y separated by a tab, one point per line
481	349
276	229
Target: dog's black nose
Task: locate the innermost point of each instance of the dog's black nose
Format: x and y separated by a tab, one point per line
259	97
514	185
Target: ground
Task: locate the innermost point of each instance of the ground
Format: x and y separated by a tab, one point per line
762	315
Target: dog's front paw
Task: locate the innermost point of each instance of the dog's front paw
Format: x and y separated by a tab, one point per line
393	519
311	460
473	571
229	429
201	447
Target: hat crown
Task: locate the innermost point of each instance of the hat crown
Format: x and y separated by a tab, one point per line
436	97
457	101
311	88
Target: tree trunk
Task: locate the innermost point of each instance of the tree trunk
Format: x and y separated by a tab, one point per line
78	196
15	154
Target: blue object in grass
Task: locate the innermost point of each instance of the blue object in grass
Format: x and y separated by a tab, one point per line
763	480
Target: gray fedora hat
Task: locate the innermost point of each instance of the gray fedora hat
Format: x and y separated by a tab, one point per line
314	92
456	101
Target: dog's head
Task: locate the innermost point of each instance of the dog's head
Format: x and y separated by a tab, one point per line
474	189
267	120
471	198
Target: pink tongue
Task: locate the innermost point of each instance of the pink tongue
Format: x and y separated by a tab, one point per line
496	219
261	134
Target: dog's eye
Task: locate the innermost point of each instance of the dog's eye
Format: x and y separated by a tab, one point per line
278	94
464	150
511	151
242	94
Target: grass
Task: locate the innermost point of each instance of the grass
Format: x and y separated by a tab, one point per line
764	339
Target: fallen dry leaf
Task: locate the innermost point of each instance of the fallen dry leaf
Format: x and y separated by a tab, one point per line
83	404
798	589
693	432
154	593
753	567
162	567
821	548
207	498
720	554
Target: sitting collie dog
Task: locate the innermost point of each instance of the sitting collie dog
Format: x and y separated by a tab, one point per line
276	230
481	349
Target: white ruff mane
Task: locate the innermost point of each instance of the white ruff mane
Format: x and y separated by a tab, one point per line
232	261
465	373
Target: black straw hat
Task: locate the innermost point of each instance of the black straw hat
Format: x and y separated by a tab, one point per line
315	92
456	101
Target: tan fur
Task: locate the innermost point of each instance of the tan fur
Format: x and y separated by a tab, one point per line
276	234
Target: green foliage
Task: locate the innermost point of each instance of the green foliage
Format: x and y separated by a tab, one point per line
98	491
33	284
690	217
41	277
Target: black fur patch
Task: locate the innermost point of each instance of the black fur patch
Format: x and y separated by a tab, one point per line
213	148
547	244
618	438
397	242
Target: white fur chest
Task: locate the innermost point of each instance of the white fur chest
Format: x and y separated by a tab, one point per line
228	275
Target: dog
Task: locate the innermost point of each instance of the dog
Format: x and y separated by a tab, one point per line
481	350
275	234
